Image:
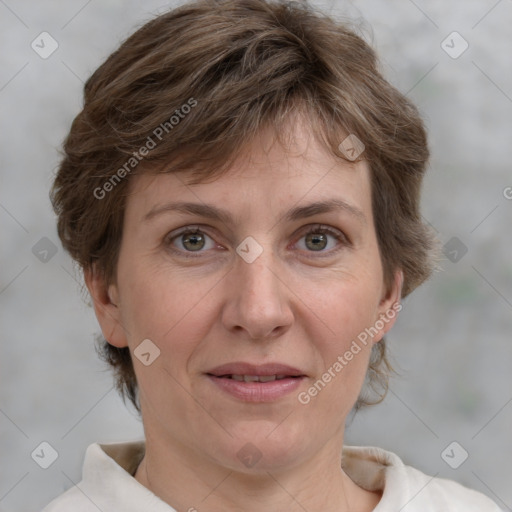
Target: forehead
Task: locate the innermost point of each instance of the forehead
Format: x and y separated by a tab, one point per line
266	174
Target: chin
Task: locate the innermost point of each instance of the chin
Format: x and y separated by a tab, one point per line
261	449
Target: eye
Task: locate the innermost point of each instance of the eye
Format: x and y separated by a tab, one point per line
322	239
190	240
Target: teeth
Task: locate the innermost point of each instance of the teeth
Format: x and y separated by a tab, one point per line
257	378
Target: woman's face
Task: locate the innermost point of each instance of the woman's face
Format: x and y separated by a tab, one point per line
248	290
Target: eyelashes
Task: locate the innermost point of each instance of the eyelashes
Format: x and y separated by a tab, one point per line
317	240
319	234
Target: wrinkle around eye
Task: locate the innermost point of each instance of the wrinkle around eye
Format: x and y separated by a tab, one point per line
172	240
341	238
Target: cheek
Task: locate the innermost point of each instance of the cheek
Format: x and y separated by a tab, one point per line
176	314
348	311
346	308
167	307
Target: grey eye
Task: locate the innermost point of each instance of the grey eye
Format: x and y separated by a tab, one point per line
316	241
193	241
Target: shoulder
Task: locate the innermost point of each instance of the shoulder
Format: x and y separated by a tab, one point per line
79	498
107	483
73	499
443	494
408	489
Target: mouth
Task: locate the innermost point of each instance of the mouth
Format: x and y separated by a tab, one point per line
256	378
256	383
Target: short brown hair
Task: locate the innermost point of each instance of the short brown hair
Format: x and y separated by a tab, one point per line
225	69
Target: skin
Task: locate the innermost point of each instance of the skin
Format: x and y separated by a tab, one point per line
292	305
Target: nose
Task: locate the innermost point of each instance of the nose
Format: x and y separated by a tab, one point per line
258	299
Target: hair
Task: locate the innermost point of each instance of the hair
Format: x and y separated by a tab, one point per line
193	86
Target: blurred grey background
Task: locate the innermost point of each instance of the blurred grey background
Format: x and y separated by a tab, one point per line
452	342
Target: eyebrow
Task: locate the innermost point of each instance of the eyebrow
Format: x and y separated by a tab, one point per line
297	213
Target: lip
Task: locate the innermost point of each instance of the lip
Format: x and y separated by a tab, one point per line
256	391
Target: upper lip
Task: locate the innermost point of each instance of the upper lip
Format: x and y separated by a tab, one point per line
240	368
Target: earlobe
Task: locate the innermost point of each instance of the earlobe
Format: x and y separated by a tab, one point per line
105	300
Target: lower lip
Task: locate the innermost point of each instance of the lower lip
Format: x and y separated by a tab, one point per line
257	391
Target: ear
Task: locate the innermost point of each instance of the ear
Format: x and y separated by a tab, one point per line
105	299
389	307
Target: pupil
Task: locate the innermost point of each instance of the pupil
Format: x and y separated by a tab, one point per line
318	241
193	241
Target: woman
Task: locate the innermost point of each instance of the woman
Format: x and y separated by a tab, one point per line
242	192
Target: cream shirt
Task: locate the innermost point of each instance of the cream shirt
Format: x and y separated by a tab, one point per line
108	485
